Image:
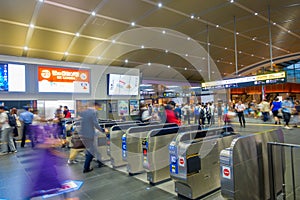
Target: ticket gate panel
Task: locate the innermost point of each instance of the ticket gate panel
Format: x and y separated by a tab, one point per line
244	166
134	140
194	164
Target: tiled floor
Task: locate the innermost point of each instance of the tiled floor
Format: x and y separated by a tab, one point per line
102	183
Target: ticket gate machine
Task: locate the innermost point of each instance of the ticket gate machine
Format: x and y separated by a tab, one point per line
132	146
244	166
156	151
103	138
194	160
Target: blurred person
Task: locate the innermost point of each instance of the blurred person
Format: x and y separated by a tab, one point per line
287	106
170	114
177	111
66	112
26	120
265	109
197	114
186	111
219	113
240	107
297	113
144	113
89	123
16	129
6	133
275	108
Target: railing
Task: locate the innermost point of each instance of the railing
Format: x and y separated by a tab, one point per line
285	169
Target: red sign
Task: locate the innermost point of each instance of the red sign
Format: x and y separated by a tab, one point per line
181	161
226	172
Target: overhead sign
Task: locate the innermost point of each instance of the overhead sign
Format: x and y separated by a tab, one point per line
67	80
273	78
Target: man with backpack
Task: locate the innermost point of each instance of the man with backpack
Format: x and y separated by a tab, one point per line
197	114
7	132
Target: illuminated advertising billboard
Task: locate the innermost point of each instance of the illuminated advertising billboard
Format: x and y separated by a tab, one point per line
12	78
119	84
263	79
63	80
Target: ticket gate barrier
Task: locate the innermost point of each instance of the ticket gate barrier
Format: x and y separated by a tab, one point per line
156	152
115	144
194	160
244	166
103	139
132	146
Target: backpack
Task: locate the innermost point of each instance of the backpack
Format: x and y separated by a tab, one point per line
202	112
11	120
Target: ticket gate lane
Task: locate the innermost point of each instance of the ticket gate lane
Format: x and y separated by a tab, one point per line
194	163
133	144
244	166
156	152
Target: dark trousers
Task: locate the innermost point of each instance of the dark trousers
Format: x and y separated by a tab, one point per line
265	116
26	131
90	152
286	117
241	118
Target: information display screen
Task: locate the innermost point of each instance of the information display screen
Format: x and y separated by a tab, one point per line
12	78
273	78
63	80
119	84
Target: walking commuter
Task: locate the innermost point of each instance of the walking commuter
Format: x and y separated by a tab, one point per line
88	134
13	112
6	134
197	114
220	113
240	107
287	106
66	112
144	113
265	109
275	107
170	114
26	119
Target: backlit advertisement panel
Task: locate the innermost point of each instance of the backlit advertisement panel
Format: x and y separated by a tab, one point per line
65	80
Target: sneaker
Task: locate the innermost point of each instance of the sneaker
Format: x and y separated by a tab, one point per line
70	162
287	127
88	170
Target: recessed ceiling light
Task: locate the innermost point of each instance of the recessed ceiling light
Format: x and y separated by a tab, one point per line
263	57
192	16
94	13
231	1
203	58
218	60
164	32
41	0
267	44
99	57
225	48
188	38
217	26
208	44
230	63
149	63
252	55
240	51
126	61
254	38
66	53
274	23
132	23
166	51
25	48
212	72
31	25
77	34
237	33
169	66
159	5
113	41
186	55
256	13
289	31
185	68
142	46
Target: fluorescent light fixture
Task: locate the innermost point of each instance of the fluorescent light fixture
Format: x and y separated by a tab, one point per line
195	87
145	85
172	86
149	89
169	90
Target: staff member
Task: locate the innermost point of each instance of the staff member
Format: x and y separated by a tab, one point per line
239	107
26	119
87	132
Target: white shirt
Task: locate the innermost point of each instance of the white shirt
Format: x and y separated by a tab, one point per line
240	107
4	120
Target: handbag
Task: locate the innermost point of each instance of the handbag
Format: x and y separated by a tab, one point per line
77	142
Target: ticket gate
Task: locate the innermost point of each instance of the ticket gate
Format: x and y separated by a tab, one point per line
194	160
115	144
104	138
132	146
156	151
244	166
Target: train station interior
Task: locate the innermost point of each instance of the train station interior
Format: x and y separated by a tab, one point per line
123	57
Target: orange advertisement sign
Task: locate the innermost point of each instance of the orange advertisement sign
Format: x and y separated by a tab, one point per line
53	74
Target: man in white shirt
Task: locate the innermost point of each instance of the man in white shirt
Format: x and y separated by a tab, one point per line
239	107
7	133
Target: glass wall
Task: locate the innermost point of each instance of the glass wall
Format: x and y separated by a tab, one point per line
293	73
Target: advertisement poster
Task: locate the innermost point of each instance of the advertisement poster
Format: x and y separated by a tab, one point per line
134	107
123	108
12	78
119	84
67	80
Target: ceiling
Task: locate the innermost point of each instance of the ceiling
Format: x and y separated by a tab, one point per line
167	39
